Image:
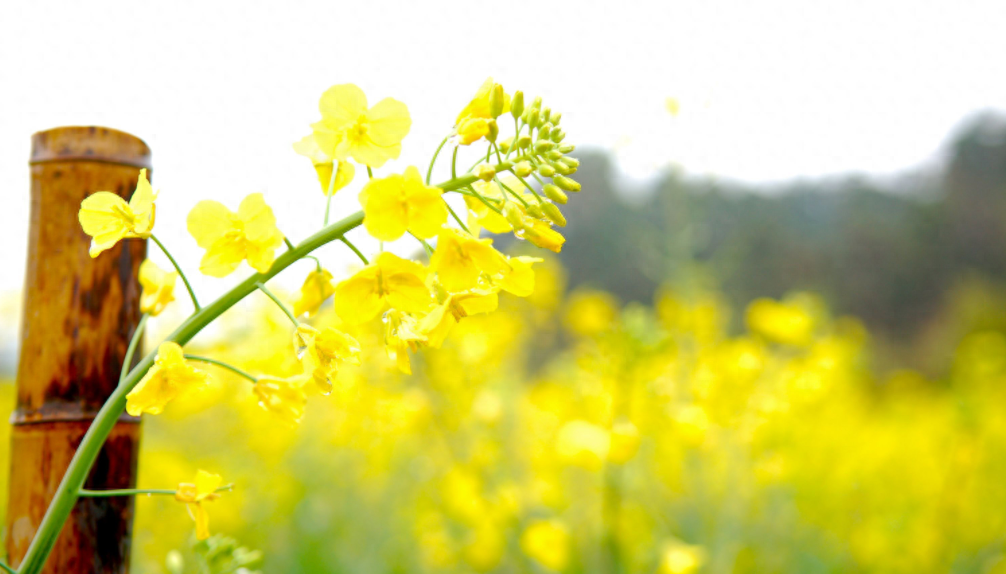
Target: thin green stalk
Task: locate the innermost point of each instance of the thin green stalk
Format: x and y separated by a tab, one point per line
317	262
84	493
127	362
7	568
227	366
275	299
514	193
429	171
181	273
426	246
533	190
517	127
68	491
454	163
483	199
330	191
359	254
370	172
499	157
456	218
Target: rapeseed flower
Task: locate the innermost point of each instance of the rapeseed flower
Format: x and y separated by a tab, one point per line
547	542
349	129
438	323
388	281
324	164
107	218
481	105
317	288
324	351
461	260
780	322
540	234
230	238
398	203
519	280
170	376
680	558
158	288
401	334
583	444
204	489
284	397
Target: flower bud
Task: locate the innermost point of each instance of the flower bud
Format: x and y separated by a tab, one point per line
496	101
505	145
553	214
533	117
536	103
542	117
542	146
544	131
557	135
554	154
517	104
485	172
545	114
534	210
546	170
513	216
566	183
523	169
560	168
494	131
570	162
568	148
554	117
524	142
554	193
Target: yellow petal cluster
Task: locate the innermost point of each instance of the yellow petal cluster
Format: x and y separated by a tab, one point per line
194	495
547	542
323	352
158	288
398	203
169	376
317	288
476	119
461	260
401	334
107	218
351	129
230	238
284	397
388	281
324	165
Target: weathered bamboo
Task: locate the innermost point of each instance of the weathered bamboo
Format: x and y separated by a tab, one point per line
79	315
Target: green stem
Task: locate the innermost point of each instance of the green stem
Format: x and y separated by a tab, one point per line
517	127
227	366
275	299
84	493
426	246
330	192
181	273
7	568
317	262
454	163
68	491
359	254
456	218
514	193
370	172
127	362
472	191
429	172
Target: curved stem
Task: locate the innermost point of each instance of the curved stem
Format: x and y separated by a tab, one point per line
317	262
7	568
426	246
222	364
185	279
275	299
429	171
359	254
454	163
330	192
474	193
127	362
456	218
84	493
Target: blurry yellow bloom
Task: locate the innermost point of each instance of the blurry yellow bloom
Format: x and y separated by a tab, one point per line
780	322
398	203
229	238
680	558
583	444
541	234
479	106
460	260
624	442
485	549
158	287
590	313
349	129
323	352
284	398
673	106
317	288
389	280
169	376
107	218
547	542
519	280
400	335
324	164
692	424
470	130
195	494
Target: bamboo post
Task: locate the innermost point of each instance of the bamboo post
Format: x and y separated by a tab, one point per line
79	315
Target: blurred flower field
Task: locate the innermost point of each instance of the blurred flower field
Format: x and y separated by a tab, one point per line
573	434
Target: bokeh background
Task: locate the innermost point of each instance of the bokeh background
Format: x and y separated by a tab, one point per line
775	340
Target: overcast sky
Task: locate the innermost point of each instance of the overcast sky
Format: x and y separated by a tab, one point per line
220	91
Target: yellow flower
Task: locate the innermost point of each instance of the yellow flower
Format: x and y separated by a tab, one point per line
284	398
158	287
680	558
389	280
624	442
590	312
229	238
470	130
107	218
349	129
323	352
480	214
781	322
479	106
398	203
195	494
519	280
400	335
317	288
324	164
169	376
541	234
583	444
438	323
547	542
460	260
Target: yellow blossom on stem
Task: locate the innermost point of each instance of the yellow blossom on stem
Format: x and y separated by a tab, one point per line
438	323
349	129
317	288
480	214
389	280
285	398
460	260
401	334
158	287
323	352
194	495
520	280
107	218
470	130
479	106
169	376
547	542
230	238
398	203
541	234
324	164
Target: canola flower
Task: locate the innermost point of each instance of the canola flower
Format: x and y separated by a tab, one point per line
195	495
464	278
158	288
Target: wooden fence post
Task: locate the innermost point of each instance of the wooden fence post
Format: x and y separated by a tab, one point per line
79	315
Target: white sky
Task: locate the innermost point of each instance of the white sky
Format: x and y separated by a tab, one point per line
220	91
